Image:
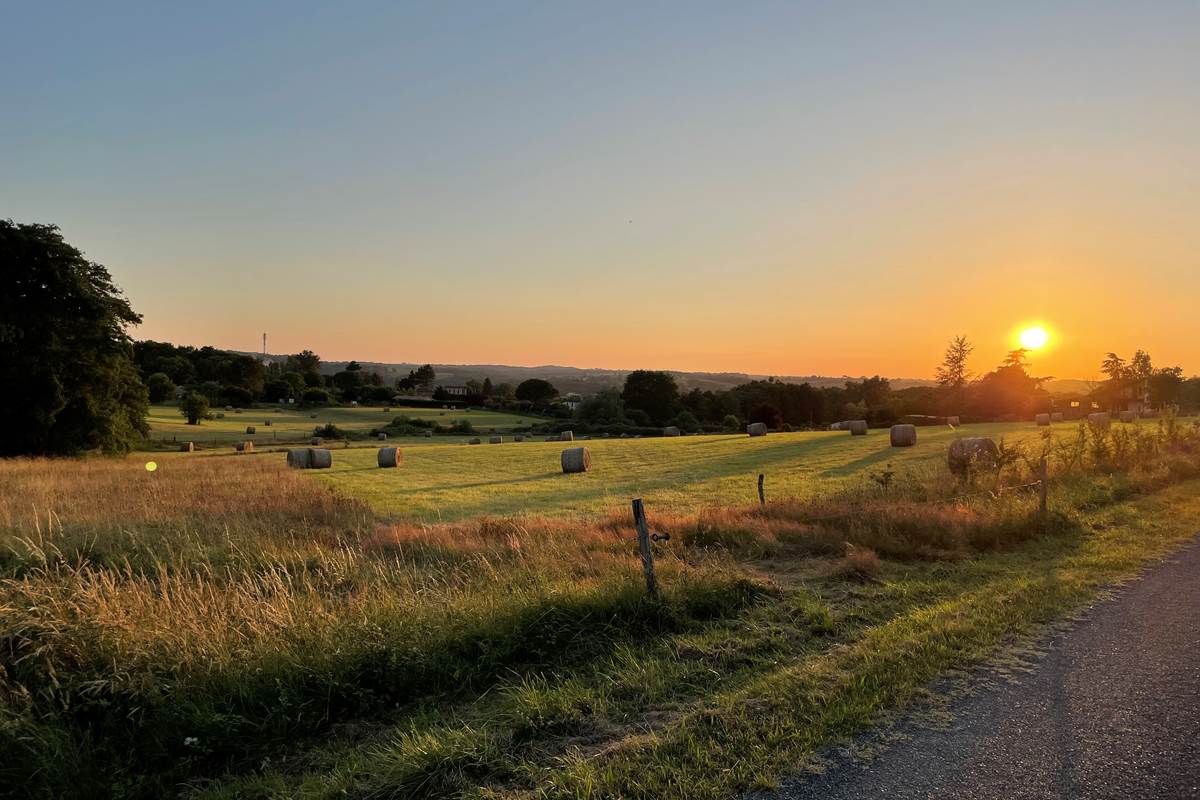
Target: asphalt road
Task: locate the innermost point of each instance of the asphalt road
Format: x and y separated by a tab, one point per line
1112	710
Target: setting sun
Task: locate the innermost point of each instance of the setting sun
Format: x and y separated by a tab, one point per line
1034	338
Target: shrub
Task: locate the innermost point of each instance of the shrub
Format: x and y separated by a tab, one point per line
237	396
317	397
194	406
731	423
160	387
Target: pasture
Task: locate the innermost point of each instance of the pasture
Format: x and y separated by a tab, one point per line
295	424
674	475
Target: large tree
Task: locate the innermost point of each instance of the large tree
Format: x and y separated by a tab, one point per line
65	356
952	373
537	391
654	393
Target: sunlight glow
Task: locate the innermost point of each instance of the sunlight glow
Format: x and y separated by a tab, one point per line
1034	338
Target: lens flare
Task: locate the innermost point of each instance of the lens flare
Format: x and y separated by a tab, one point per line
1034	338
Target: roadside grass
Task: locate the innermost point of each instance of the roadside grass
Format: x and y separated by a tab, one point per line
295	424
229	628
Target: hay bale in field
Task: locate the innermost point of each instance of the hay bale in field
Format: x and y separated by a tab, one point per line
551	438
187	447
1099	419
1042	419
312	416
267	422
279	410
972	451
1128	416
314	441
299	458
1056	416
390	457
244	447
354	404
576	460
220	415
952	421
428	434
237	411
229	408
904	435
567	436
475	441
496	440
857	427
250	429
518	438
757	429
387	409
670	430
383	437
319	458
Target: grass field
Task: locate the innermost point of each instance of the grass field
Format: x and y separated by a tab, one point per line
676	475
225	627
296	424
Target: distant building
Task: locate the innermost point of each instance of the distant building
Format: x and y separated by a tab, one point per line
454	391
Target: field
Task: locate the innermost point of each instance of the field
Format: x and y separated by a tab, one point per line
294	424
675	475
225	627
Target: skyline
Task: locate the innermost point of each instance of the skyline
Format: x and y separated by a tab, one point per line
793	191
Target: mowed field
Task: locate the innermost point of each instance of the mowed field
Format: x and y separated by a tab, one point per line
679	475
296	424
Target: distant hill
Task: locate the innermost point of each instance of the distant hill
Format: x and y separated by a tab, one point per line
586	381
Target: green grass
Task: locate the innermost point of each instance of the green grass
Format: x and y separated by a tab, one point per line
296	424
673	475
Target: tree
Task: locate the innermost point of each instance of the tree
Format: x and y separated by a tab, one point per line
953	373
537	391
654	393
1165	387
1016	358
194	406
605	407
66	360
160	387
1113	366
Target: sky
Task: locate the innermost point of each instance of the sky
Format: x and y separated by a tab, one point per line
775	188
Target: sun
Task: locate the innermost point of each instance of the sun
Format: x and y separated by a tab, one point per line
1034	338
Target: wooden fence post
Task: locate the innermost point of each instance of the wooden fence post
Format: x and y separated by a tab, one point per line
643	532
1043	488
762	498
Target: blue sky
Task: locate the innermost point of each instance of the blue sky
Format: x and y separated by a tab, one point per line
768	187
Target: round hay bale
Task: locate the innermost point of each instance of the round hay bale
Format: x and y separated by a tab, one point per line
670	430
229	408
518	438
267	422
312	416
1042	419
1056	416
757	429
237	411
314	441
496	440
428	434
972	451
390	457
220	415
250	429
299	458
858	427
552	438
319	458
475	441
567	436
383	437
1099	419
244	447
576	459
952	421
1128	416
904	435
187	447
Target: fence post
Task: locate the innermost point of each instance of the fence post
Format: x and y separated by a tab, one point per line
643	532
1043	488
762	498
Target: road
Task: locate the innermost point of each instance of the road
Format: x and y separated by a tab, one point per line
1112	710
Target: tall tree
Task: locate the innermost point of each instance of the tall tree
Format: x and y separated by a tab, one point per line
953	372
654	393
66	360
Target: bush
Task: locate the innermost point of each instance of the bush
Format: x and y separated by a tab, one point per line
331	431
160	387
194	406
237	396
461	426
731	423
317	397
686	421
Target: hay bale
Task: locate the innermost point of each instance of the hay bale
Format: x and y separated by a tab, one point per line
312	416
475	441
314	441
237	411
244	447
387	409
250	429
857	427
1042	419
428	434
319	458
670	430
567	436
551	438
220	415
757	429
187	447
952	421
1099	419
972	451
1056	416
390	457
904	435
267	422
383	437
496	440
229	408
1128	416
299	458
576	459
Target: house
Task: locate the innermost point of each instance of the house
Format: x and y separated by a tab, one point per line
454	391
